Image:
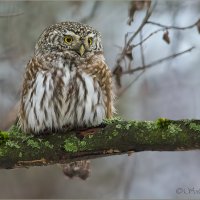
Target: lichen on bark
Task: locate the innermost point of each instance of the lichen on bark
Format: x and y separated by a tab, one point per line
114	136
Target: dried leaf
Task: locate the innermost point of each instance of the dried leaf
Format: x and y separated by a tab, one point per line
135	6
139	5
148	3
129	53
129	56
198	26
166	37
131	13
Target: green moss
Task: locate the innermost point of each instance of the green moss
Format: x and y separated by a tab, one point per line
74	144
15	130
12	144
20	154
24	137
195	127
112	120
1	153
47	144
118	126
127	126
135	123
71	144
90	136
162	122
184	138
186	121
172	135
161	131
82	143
148	124
3	136
115	133
174	129
33	144
71	147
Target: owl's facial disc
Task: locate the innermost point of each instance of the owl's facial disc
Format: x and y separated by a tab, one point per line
79	44
70	38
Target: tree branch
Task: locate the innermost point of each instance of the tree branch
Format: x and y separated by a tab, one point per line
173	27
128	43
126	54
157	61
113	137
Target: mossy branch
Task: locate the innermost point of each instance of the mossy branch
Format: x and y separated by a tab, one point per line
113	137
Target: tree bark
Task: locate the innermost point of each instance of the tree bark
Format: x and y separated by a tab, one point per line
115	136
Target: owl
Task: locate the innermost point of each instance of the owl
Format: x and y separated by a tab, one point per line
67	83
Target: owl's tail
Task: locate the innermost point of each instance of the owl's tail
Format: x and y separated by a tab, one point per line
79	169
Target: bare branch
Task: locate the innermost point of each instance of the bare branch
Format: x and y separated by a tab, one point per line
163	29
124	89
157	61
127	51
142	50
146	38
144	21
140	74
173	27
128	42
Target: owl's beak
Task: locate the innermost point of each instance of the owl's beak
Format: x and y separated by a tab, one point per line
82	49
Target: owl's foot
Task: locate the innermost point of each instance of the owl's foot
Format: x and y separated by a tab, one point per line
48	131
79	169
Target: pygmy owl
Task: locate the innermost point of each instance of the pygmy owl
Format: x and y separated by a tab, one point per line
67	83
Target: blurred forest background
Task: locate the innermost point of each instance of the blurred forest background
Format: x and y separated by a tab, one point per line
169	89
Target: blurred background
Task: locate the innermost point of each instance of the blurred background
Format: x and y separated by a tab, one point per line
170	89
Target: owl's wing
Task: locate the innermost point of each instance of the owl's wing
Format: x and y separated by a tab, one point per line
108	85
43	95
28	89
98	68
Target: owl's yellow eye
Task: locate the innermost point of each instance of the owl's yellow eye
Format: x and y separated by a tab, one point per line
68	39
90	41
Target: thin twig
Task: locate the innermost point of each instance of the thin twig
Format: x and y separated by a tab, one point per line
173	27
154	63
157	62
144	21
141	49
146	38
126	52
122	91
163	29
140	74
127	43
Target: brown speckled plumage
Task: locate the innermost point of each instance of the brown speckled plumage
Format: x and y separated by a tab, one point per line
67	82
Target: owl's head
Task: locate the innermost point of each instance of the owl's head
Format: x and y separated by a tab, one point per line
75	38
